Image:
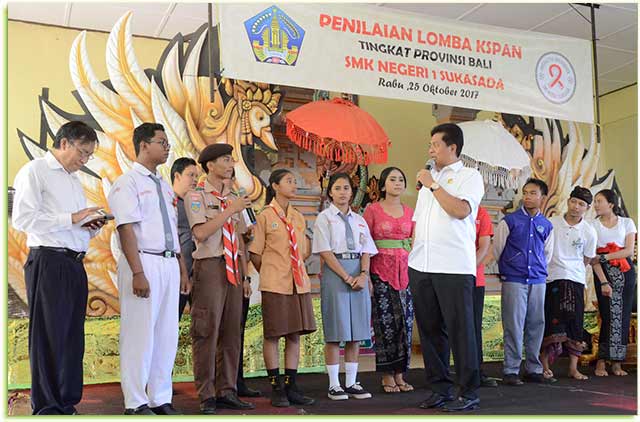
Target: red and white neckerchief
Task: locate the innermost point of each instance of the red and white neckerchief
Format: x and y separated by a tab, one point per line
229	242
296	262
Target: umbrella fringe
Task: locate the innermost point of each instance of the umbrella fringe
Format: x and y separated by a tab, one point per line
335	150
496	175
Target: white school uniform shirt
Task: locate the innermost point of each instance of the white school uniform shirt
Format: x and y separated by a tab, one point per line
329	233
134	199
616	234
46	196
444	244
571	244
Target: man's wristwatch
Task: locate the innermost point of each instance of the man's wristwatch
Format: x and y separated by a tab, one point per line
246	278
434	187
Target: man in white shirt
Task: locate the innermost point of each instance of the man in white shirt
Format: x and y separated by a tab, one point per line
51	208
574	246
150	277
442	268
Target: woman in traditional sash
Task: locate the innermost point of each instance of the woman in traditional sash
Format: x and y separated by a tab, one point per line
615	247
278	251
392	307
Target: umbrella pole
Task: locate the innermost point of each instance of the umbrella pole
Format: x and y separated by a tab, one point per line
210	49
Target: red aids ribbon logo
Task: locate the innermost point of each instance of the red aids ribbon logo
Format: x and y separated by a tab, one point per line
555	77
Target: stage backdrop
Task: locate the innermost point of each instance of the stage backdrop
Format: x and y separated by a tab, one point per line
374	51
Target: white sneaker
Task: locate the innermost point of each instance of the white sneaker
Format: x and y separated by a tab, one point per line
337	393
357	392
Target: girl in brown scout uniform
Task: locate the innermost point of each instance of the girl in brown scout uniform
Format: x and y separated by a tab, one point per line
278	252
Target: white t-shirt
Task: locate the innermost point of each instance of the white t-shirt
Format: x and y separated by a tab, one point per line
571	244
445	244
615	234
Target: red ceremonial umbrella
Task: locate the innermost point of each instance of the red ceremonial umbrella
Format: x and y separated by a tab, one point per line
339	131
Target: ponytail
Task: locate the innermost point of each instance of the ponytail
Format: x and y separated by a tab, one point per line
275	177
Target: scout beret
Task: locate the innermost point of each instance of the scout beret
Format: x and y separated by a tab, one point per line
213	151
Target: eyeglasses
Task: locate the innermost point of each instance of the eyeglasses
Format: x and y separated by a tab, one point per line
84	154
163	142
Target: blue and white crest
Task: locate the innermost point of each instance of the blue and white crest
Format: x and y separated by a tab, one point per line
274	37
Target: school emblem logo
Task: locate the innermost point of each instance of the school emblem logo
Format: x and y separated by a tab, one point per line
195	206
274	225
274	37
540	229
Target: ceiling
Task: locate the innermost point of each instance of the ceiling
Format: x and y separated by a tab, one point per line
617	24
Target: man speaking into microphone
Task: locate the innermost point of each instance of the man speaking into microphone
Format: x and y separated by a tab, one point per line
442	268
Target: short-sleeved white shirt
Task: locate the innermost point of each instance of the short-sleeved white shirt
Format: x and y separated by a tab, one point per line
134	199
329	233
616	234
445	244
571	244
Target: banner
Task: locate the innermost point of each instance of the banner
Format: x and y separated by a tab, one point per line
374	51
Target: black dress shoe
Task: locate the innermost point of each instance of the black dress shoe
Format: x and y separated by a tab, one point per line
539	378
435	400
296	396
244	391
231	401
485	381
165	409
461	403
208	407
140	410
512	380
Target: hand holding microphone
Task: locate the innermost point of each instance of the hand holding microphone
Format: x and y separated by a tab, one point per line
427	171
248	213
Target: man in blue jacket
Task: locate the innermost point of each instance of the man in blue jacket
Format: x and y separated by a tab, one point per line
522	246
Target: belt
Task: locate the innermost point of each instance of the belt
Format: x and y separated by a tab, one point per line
164	254
394	244
77	256
348	255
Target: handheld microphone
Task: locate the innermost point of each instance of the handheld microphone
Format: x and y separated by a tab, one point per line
248	213
428	166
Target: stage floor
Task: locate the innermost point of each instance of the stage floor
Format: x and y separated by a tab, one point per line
596	396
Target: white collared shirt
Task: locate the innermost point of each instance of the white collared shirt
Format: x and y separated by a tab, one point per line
445	244
329	233
571	245
134	200
46	196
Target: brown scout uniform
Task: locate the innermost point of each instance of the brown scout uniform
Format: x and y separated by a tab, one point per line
216	311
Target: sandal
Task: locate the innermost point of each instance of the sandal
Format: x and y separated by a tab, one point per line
405	387
390	389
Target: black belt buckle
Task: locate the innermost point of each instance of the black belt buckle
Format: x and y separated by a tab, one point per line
168	254
79	256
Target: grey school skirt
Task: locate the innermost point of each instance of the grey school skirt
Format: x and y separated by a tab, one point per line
346	314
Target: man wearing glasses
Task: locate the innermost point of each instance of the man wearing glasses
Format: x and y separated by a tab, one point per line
150	273
51	208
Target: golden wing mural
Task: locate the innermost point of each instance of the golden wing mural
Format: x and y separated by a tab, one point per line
176	94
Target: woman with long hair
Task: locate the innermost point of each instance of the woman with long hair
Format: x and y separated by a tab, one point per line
278	251
392	306
615	247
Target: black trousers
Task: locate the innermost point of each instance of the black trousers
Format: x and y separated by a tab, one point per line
478	308
444	303
245	312
57	296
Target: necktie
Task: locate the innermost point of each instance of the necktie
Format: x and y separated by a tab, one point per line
229	242
168	236
351	244
293	245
